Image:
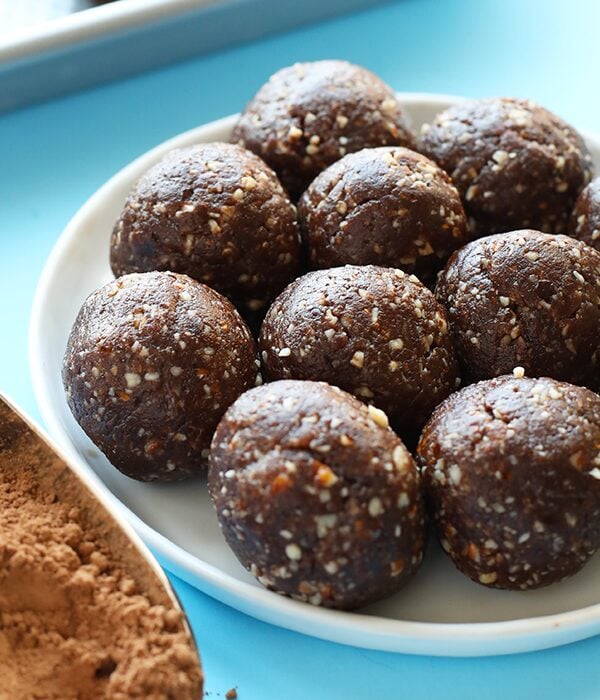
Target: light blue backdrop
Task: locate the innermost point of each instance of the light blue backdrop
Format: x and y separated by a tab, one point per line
53	156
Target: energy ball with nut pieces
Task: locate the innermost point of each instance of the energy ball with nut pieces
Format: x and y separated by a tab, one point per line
511	469
585	219
309	115
526	299
217	213
152	363
383	206
316	496
373	331
516	164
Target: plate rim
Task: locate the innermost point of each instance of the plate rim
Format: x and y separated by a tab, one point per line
452	639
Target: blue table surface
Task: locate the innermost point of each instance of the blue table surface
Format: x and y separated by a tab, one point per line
54	155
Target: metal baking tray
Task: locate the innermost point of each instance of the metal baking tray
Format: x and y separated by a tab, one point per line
121	38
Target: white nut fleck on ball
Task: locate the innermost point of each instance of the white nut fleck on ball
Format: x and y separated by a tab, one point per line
133	379
378	417
358	359
293	552
375	507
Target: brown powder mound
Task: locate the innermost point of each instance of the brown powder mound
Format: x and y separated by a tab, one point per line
82	615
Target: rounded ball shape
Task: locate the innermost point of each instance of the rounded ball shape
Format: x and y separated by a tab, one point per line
511	469
525	299
585	219
311	114
152	362
316	497
217	213
383	206
516	164
373	331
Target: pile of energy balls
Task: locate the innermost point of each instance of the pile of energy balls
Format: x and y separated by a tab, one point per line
380	272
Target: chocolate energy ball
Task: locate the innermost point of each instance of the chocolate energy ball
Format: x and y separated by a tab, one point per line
585	219
315	495
152	363
217	213
511	469
516	164
525	299
383	206
373	331
311	114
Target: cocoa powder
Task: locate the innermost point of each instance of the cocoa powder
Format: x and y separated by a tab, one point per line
82	614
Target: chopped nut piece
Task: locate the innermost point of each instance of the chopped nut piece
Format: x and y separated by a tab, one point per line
325	477
293	552
358	359
378	416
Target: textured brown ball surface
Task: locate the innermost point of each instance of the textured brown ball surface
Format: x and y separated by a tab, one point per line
152	362
511	469
373	331
311	114
526	299
516	164
383	206
585	219
217	213
315	495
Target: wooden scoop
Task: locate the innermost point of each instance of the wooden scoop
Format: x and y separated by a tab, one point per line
28	457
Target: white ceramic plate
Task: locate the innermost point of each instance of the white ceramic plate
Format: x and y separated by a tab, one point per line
440	612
